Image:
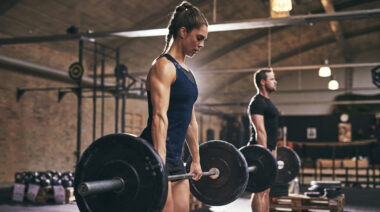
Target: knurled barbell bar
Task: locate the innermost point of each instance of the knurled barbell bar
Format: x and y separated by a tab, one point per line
121	172
117	184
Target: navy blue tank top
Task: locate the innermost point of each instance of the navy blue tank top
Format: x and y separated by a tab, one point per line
183	94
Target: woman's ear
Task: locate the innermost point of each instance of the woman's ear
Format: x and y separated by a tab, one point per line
182	32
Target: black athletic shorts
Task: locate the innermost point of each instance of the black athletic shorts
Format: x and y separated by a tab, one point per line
174	168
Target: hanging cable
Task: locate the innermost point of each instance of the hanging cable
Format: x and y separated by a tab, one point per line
269	48
214	12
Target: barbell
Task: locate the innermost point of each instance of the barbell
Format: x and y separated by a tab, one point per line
122	172
289	165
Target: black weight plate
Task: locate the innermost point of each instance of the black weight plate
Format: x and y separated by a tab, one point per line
312	194
331	192
327	184
128	157
76	71
121	70
376	76
233	177
289	165
316	188
265	174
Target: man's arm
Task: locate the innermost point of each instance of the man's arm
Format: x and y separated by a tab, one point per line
192	142
160	78
261	134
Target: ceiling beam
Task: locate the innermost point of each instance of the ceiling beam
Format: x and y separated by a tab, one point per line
6	5
244	104
244	25
279	68
295	91
286	55
288	68
156	19
250	38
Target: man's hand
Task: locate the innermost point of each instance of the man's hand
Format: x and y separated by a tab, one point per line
196	168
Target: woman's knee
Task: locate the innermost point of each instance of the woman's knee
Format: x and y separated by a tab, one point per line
169	205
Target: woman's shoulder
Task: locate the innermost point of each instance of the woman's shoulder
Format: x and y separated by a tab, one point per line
163	66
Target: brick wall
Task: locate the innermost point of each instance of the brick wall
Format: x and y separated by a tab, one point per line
38	133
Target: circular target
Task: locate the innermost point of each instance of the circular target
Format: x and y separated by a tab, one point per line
76	71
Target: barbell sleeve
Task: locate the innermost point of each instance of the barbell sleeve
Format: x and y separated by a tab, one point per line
116	184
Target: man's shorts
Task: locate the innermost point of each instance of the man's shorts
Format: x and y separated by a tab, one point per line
174	168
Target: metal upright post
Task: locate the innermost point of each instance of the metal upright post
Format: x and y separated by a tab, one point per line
117	96
357	165
102	86
123	104
79	113
94	92
333	162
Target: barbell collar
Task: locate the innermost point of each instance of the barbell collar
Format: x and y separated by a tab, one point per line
252	169
116	184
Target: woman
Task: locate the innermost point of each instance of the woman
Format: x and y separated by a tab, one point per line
172	92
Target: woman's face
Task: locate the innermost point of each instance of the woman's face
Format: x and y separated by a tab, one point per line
194	40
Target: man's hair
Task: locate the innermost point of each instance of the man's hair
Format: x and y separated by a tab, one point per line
259	75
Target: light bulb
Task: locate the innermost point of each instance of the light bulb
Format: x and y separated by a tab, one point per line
281	5
333	85
324	71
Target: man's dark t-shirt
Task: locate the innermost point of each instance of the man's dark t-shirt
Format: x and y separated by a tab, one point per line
263	106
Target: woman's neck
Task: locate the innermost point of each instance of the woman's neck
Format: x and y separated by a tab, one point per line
176	52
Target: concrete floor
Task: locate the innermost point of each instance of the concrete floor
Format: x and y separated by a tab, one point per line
240	205
364	200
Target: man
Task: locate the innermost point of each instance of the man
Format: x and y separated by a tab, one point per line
264	123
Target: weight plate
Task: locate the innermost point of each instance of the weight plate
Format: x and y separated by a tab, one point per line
289	165
233	177
327	184
121	71
128	157
312	194
266	168
376	76
76	71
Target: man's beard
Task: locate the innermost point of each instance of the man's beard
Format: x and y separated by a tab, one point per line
270	89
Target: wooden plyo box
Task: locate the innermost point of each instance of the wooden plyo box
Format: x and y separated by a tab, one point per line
298	202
